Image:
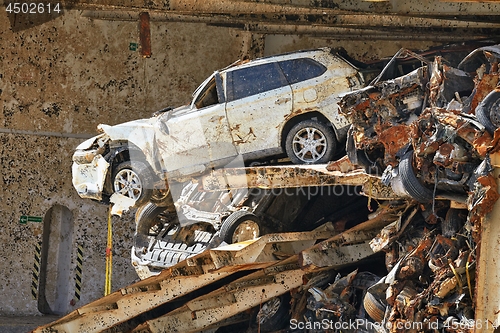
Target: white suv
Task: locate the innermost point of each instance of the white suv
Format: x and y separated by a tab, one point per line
249	111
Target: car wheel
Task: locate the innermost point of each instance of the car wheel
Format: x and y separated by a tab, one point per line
274	314
133	180
488	111
410	182
148	217
161	223
374	307
310	142
240	226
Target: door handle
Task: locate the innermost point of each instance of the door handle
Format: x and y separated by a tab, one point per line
280	101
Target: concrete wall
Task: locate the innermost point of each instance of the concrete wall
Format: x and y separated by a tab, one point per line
362	50
60	78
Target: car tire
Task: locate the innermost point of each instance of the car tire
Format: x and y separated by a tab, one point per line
240	226
410	182
133	180
374	307
166	250
310	142
488	111
274	314
146	217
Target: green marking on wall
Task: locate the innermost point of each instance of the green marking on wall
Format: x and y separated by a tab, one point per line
26	218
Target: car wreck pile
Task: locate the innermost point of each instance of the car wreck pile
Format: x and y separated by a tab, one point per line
428	135
399	254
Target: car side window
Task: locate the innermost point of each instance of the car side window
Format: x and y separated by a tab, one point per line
208	96
298	70
254	80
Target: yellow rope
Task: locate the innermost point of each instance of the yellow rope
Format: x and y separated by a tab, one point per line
109	256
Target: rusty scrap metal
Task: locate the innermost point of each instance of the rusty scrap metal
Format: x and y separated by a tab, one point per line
205	311
438	126
274	275
145	34
431	246
420	290
266	249
431	262
350	246
292	176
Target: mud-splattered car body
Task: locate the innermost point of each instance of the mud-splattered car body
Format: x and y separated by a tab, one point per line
251	110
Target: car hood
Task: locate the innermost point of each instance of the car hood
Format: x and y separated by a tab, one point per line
177	112
89	142
124	129
139	132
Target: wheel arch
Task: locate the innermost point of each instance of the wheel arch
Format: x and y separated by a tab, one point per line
120	152
306	116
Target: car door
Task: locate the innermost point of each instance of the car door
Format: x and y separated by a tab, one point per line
258	100
197	137
316	87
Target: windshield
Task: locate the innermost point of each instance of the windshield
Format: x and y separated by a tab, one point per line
206	94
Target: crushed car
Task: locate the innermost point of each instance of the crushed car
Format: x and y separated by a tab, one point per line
277	106
199	219
410	259
428	135
427	120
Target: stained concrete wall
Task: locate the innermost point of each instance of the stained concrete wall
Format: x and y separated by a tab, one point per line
362	50
60	78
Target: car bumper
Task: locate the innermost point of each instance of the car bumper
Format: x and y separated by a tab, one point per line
88	179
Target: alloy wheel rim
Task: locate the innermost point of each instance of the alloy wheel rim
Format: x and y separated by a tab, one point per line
269	309
128	183
309	145
246	230
495	113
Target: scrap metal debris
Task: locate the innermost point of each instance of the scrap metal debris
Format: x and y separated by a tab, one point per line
419	148
428	135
